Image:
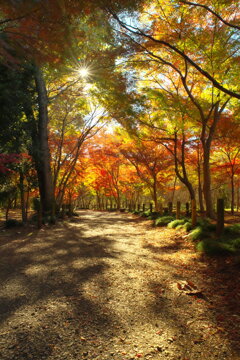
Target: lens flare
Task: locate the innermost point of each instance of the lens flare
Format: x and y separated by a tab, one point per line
83	72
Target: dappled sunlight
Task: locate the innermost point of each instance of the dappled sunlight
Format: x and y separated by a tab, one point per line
117	290
36	270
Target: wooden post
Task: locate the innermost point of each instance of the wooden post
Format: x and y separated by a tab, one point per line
220	216
170	207
187	209
194	213
178	210
138	207
151	207
143	208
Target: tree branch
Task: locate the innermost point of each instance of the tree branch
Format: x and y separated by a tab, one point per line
212	12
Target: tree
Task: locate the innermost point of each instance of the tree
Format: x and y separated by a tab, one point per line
168	26
152	164
228	152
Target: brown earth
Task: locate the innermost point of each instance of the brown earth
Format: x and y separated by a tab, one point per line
110	286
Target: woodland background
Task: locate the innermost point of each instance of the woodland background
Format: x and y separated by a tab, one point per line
115	104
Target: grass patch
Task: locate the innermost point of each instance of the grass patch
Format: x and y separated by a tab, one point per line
228	244
146	213
176	223
197	233
232	229
187	226
163	220
213	247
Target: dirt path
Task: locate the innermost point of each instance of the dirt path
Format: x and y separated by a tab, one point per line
109	286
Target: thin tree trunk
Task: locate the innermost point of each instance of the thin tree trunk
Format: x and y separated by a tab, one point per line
200	192
207	182
44	171
8	208
238	197
174	189
23	205
155	193
232	194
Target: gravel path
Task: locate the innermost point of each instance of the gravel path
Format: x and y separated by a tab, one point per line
107	286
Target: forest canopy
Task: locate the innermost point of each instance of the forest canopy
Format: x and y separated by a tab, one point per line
119	103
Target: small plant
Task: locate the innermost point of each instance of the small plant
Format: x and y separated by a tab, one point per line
233	229
146	213
214	247
196	234
154	215
163	220
176	223
187	226
206	224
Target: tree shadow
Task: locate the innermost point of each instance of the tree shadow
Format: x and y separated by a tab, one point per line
58	275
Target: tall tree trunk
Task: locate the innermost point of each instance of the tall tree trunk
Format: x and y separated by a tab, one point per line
232	193
174	188
44	168
183	177
200	192
155	193
238	197
23	205
207	181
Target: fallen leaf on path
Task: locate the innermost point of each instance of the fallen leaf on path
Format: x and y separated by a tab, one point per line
190	283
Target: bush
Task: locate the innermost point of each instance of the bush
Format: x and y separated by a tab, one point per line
196	234
154	215
206	224
236	243
12	223
233	229
163	220
214	247
176	223
146	213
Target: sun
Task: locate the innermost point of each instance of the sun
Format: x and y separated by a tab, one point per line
83	72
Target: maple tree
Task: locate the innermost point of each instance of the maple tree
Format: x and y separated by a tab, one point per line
169	79
152	163
227	153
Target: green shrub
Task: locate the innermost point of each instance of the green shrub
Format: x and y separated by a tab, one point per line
175	223
163	220
206	224
12	223
146	213
187	226
196	234
214	247
236	243
154	215
233	229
